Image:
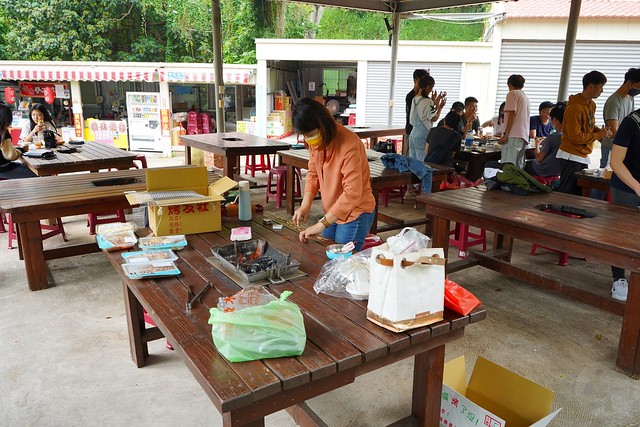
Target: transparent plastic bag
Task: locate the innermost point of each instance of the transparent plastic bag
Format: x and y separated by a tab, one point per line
408	240
345	277
254	332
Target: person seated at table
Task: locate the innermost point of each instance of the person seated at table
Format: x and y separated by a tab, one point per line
497	123
545	162
469	120
443	141
541	125
39	121
8	153
339	168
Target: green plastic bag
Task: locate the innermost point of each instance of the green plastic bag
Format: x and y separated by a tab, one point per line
275	329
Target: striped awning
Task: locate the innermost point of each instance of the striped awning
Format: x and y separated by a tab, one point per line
207	75
79	73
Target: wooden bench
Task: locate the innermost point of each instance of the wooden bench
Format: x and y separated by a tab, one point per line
341	343
31	200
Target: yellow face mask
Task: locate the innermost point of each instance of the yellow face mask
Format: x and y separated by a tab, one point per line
314	139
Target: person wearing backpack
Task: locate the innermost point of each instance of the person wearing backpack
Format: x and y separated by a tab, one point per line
625	182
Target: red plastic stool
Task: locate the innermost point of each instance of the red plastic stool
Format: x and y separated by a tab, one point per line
372	240
251	165
352	119
464	239
3	221
563	257
53	230
150	321
281	184
94	219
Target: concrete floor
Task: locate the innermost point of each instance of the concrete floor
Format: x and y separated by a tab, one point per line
65	353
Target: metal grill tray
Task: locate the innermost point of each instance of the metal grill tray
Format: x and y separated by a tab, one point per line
229	255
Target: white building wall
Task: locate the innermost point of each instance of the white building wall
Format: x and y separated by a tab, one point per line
362	52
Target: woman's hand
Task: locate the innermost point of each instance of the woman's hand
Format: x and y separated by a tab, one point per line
301	215
310	232
39	128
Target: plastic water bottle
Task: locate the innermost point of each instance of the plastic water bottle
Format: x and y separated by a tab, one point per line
244	201
468	141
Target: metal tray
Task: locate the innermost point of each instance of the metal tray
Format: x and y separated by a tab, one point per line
238	256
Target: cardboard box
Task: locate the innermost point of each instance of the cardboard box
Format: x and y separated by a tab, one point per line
176	216
494	397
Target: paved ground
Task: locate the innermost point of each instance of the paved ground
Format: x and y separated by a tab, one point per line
65	353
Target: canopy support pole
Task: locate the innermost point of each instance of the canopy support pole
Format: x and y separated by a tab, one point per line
217	64
569	46
394	61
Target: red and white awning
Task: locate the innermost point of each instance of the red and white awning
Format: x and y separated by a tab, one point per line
207	75
79	73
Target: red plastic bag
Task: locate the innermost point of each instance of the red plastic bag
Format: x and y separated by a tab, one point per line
458	298
456	181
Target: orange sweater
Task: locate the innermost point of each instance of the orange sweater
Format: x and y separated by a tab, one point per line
579	126
341	173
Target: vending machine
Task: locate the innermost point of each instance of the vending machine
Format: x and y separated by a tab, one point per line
145	121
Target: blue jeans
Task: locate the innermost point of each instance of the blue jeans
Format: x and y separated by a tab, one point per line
354	231
604	159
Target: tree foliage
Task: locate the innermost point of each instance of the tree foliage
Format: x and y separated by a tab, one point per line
181	30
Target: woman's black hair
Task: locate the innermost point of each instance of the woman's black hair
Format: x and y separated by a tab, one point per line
6	117
501	113
45	113
309	115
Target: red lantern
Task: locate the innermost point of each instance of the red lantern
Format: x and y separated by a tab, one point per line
9	95
49	95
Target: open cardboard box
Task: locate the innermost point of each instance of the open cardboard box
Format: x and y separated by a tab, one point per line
186	216
494	397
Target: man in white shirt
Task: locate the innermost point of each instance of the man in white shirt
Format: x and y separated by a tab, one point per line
618	106
517	110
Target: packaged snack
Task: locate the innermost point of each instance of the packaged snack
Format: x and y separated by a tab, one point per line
140	270
151	255
175	242
116	242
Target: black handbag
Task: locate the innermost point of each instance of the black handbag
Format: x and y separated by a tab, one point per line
49	138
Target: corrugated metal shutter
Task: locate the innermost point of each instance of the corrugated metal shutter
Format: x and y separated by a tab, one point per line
446	75
540	63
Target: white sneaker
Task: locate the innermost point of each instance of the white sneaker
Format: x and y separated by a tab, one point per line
619	289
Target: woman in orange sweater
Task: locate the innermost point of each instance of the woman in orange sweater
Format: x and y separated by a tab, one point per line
339	168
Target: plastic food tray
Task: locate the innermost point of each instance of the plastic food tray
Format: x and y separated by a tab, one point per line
116	241
175	242
149	256
141	270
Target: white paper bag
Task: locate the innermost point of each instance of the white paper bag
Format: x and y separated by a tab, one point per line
407	291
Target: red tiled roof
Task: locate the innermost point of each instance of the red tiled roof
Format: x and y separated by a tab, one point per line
560	9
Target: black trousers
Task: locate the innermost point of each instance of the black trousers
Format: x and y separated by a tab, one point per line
568	181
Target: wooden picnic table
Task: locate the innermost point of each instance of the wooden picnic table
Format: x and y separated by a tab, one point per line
341	343
373	132
31	200
592	181
381	177
611	237
476	158
91	156
230	146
